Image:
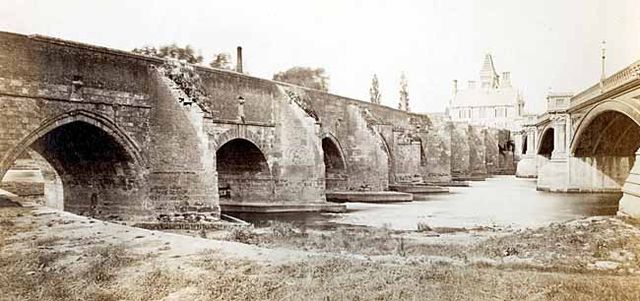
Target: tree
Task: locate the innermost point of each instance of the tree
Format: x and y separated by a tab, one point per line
221	61
404	94
313	78
186	53
374	91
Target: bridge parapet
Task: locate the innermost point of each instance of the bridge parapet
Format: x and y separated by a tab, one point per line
618	79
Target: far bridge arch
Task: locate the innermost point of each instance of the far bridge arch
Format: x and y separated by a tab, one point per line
546	145
335	163
244	173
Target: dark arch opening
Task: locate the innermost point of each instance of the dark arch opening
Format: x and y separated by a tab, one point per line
546	143
524	145
335	167
608	144
98	176
609	134
243	173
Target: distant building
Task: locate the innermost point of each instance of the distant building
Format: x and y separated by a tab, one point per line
494	102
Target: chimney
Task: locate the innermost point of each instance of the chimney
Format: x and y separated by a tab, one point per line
455	87
506	79
472	84
239	59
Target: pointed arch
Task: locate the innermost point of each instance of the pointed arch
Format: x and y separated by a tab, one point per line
48	125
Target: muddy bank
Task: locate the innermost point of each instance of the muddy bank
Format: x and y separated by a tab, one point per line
52	255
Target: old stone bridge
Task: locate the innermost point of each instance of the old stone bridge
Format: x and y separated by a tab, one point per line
589	142
117	137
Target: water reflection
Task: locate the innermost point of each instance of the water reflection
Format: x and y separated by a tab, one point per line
498	201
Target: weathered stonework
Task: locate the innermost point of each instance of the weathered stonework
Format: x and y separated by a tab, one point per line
127	141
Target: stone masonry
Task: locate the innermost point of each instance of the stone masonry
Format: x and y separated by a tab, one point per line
126	141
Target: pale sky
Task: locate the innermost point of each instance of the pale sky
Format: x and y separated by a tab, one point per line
544	43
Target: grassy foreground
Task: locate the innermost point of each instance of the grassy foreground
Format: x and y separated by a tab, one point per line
65	257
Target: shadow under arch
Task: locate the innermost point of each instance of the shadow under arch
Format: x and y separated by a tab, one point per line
335	162
605	144
546	144
614	106
101	168
91	118
244	174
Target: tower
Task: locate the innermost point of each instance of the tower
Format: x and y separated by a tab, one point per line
488	76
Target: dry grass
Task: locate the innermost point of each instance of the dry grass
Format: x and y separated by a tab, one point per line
367	241
572	246
113	272
36	275
342	279
8	227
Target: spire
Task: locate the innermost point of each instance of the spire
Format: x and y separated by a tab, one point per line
488	74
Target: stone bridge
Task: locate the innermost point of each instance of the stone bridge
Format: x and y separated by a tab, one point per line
116	136
589	142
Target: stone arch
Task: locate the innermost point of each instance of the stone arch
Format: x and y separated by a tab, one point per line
336	171
546	144
332	138
612	106
605	144
237	133
244	174
50	124
100	167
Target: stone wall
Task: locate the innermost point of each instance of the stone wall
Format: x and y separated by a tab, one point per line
150	154
492	150
275	120
106	101
477	152
408	166
47	84
182	183
460	150
436	144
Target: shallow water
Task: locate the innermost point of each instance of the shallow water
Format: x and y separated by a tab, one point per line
502	201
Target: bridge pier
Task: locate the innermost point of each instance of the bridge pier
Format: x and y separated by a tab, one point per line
630	202
553	175
528	164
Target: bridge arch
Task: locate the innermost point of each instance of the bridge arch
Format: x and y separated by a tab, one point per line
604	145
100	166
244	173
336	171
546	145
604	116
97	120
237	133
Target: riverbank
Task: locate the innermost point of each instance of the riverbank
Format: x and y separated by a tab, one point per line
52	255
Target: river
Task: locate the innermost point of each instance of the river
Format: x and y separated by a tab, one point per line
500	201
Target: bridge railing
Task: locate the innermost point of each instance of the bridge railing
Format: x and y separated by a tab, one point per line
628	74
